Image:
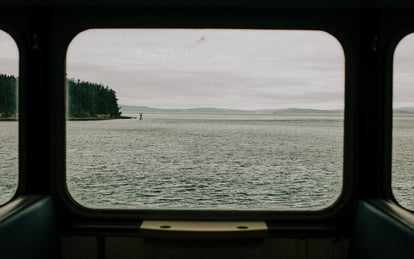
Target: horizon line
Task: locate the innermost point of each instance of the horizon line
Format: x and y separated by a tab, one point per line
238	109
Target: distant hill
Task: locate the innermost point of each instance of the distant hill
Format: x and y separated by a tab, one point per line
404	110
303	111
127	109
145	109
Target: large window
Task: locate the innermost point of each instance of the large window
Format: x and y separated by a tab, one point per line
403	123
205	119
9	56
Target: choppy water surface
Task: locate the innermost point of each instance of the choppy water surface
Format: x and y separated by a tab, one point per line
403	160
202	161
8	160
206	162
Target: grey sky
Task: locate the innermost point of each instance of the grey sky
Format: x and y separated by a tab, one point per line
9	55
404	73
243	69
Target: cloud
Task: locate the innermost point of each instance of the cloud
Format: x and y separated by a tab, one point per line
9	66
250	69
403	77
9	55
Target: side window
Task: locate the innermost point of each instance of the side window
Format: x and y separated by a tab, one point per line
9	58
205	119
403	123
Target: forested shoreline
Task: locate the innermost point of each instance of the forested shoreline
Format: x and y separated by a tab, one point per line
91	101
86	100
8	94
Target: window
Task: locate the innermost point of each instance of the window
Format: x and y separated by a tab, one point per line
205	119
9	56
403	123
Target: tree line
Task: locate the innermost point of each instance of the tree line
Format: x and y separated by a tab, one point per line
8	96
86	99
91	100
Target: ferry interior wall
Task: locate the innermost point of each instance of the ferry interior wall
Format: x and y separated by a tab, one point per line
42	219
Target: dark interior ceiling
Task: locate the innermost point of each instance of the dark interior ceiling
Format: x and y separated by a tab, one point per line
280	4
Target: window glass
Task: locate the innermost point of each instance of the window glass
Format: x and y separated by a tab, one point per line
205	119
403	123
9	56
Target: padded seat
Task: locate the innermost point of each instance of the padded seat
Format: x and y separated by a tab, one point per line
28	228
382	230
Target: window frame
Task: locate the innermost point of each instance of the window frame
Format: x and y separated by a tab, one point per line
65	28
8	28
402	31
339	193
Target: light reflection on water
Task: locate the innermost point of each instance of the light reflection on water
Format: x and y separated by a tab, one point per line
200	161
193	161
206	162
8	160
403	160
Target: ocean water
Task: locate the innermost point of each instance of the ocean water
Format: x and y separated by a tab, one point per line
201	161
403	160
8	160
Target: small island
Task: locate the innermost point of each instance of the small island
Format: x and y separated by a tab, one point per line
87	101
91	101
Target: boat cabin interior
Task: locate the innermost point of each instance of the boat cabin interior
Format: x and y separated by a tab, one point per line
41	219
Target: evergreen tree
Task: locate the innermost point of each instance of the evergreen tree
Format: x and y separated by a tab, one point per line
8	95
91	100
85	99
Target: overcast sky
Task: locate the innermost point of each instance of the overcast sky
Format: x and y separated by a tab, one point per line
242	69
9	55
403	84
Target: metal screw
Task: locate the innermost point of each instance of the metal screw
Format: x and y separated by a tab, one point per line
36	41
